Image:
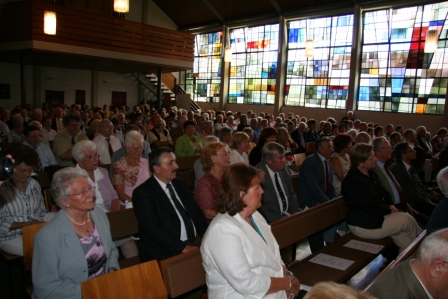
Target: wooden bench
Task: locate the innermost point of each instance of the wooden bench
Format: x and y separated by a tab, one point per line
183	273
188	177
123	224
406	254
186	163
142	281
299	226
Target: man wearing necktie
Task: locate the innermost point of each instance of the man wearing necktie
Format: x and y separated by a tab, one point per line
64	141
106	142
33	139
169	220
315	184
279	199
298	135
416	194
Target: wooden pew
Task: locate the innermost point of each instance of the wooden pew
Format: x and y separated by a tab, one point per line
142	281
299	226
186	163
188	177
406	254
183	273
28	234
123	224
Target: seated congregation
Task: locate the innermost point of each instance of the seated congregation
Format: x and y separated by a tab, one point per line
231	192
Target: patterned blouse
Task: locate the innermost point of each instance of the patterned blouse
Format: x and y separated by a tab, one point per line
130	176
207	191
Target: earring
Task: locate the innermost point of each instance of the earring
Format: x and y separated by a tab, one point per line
67	206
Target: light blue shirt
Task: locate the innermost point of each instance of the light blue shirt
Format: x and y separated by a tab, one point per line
46	156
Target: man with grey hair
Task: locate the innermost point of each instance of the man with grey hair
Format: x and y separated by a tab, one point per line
106	142
424	277
439	217
279	199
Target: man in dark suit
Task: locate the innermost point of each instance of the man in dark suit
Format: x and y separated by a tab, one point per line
423	142
407	177
298	135
279	199
315	184
169	220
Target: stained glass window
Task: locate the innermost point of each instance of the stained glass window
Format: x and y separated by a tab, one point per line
204	82
253	68
396	74
322	80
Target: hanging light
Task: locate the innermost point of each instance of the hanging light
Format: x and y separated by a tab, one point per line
50	22
121	6
432	38
309	48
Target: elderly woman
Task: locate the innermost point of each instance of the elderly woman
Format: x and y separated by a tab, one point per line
86	156
239	251
21	201
240	145
76	244
215	159
16	134
188	144
252	144
267	135
340	161
132	170
225	135
371	212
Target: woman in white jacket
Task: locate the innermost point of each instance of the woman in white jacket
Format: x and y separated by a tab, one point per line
239	253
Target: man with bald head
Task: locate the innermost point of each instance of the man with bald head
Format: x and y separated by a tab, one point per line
422	277
106	142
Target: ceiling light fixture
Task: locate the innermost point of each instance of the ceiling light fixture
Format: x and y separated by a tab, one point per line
50	22
121	6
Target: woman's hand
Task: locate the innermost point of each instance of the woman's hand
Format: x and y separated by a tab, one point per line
295	287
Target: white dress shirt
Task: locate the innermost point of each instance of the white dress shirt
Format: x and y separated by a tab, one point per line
102	147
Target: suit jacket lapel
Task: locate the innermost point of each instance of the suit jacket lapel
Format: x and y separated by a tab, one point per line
71	238
161	195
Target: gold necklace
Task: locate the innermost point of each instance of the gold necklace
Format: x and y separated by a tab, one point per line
88	219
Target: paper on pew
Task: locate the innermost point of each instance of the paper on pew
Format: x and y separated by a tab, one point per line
305	287
332	261
364	246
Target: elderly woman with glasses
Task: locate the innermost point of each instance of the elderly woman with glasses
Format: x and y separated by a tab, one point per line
215	158
131	170
76	245
86	156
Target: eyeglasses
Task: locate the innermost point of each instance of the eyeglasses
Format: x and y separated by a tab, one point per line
82	193
92	158
223	154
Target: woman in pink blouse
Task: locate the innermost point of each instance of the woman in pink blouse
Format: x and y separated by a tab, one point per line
131	170
215	158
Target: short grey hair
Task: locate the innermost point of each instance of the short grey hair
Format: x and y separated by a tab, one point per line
133	137
377	142
363	137
61	185
270	150
80	148
433	247
210	139
442	180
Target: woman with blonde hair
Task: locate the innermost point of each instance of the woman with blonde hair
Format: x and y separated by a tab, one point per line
239	145
215	158
333	290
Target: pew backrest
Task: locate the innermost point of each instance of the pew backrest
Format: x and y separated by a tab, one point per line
308	222
142	281
183	273
28	234
123	224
